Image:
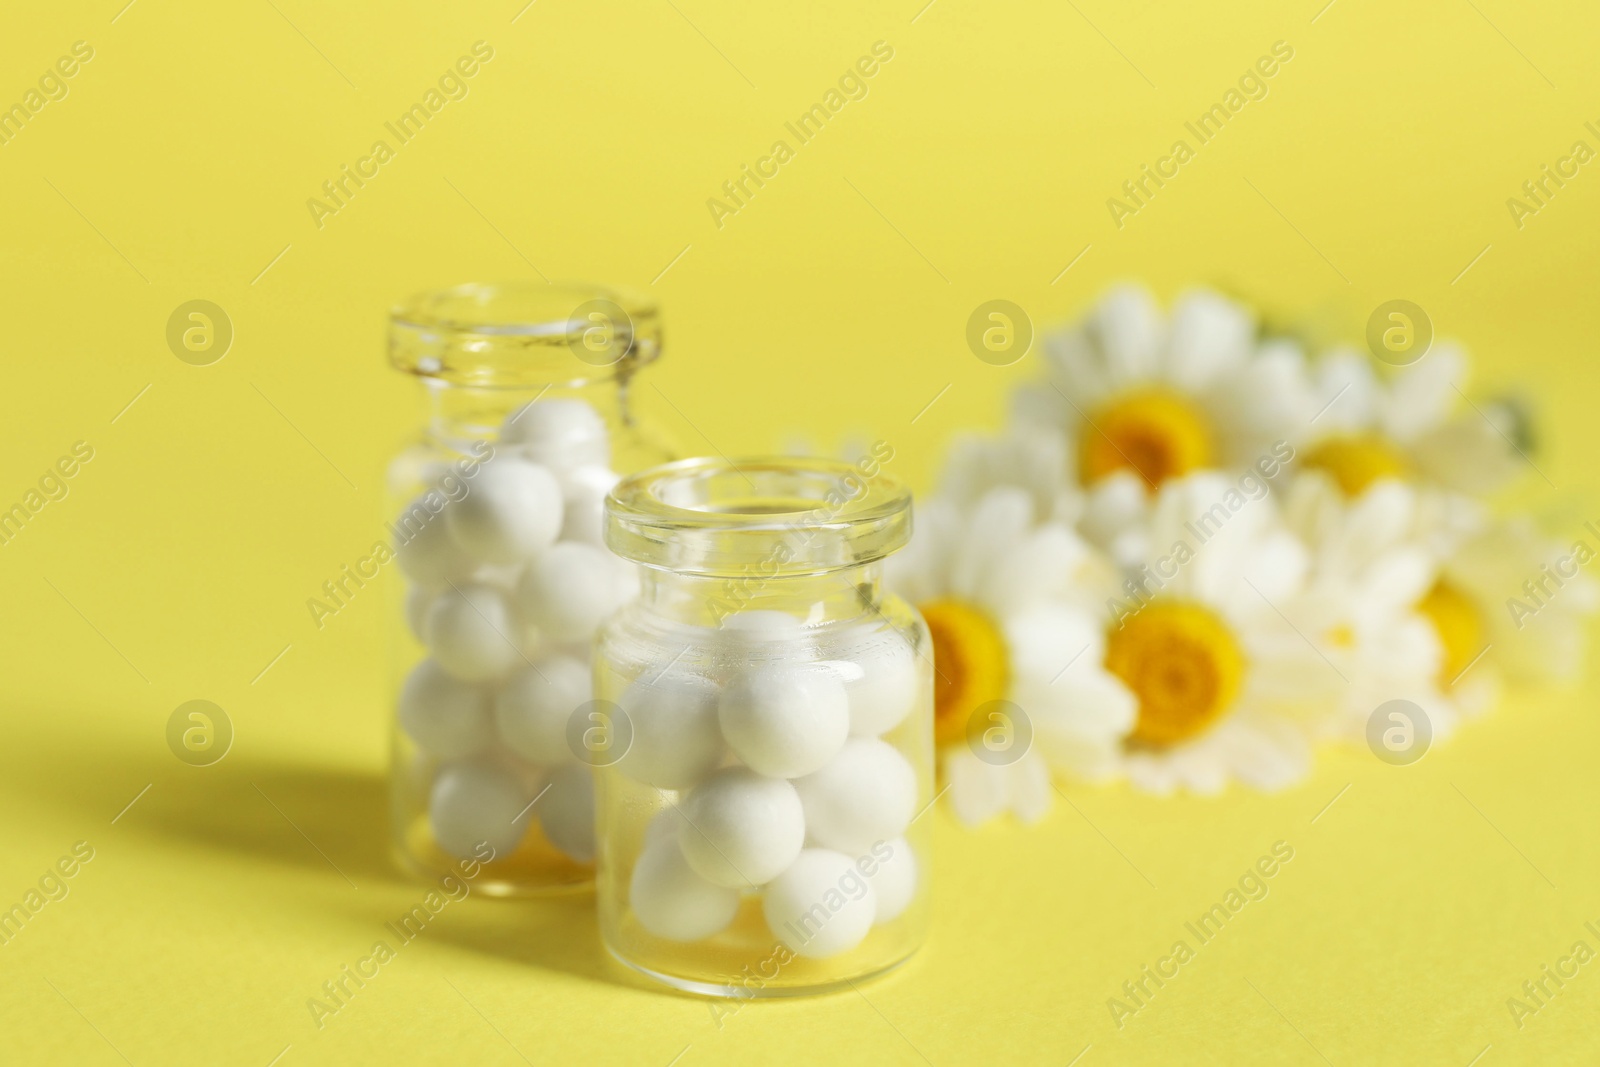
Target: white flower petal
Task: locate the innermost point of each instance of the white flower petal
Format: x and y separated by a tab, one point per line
1038	404
1396	580
1042	566
1262	402
975	795
1079	378
1042	639
980	791
999	521
1421	395
1209	336
1152	775
1347	392
1032	795
1468	454
1127	328
1113	504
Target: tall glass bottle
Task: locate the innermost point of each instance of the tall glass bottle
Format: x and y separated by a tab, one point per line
494	513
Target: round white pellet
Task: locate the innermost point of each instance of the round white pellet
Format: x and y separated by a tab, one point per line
428	555
882	682
628	584
531	777
741	830
665	826
471	631
503	576
534	707
511	511
672	901
821	906
418	773
746	628
566	811
559	432
443	715
418	598
478	802
865	794
894	882
676	739
583	498
785	720
569	590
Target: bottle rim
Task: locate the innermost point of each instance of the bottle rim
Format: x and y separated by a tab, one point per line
517	334
759	518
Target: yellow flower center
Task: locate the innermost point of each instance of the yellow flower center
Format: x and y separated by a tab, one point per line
1356	462
969	661
1459	625
1183	665
1155	433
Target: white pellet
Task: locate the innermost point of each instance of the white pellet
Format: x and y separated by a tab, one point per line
865	794
894	880
664	826
478	802
583	497
445	716
418	599
472	632
821	905
676	738
569	590
503	576
558	432
536	703
428	555
510	513
566	811
671	901
785	720
741	830
882	680
746	628
418	773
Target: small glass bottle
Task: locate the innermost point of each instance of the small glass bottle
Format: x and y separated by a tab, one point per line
770	709
494	515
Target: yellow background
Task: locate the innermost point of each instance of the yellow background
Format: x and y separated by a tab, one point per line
834	303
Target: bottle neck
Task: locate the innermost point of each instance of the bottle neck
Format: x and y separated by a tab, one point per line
837	596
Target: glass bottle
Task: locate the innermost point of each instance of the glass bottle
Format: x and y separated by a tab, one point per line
494	515
769	707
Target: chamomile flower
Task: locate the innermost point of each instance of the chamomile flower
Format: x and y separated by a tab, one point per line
1415	424
1132	390
1217	671
1511	604
1009	602
1368	603
1025	456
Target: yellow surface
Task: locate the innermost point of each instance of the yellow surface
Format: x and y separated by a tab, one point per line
977	167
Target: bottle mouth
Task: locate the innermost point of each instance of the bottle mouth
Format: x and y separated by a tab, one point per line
759	518
522	333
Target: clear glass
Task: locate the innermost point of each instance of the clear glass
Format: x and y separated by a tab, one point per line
493	512
768	707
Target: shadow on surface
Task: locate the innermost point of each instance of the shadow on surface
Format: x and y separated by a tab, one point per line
328	822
